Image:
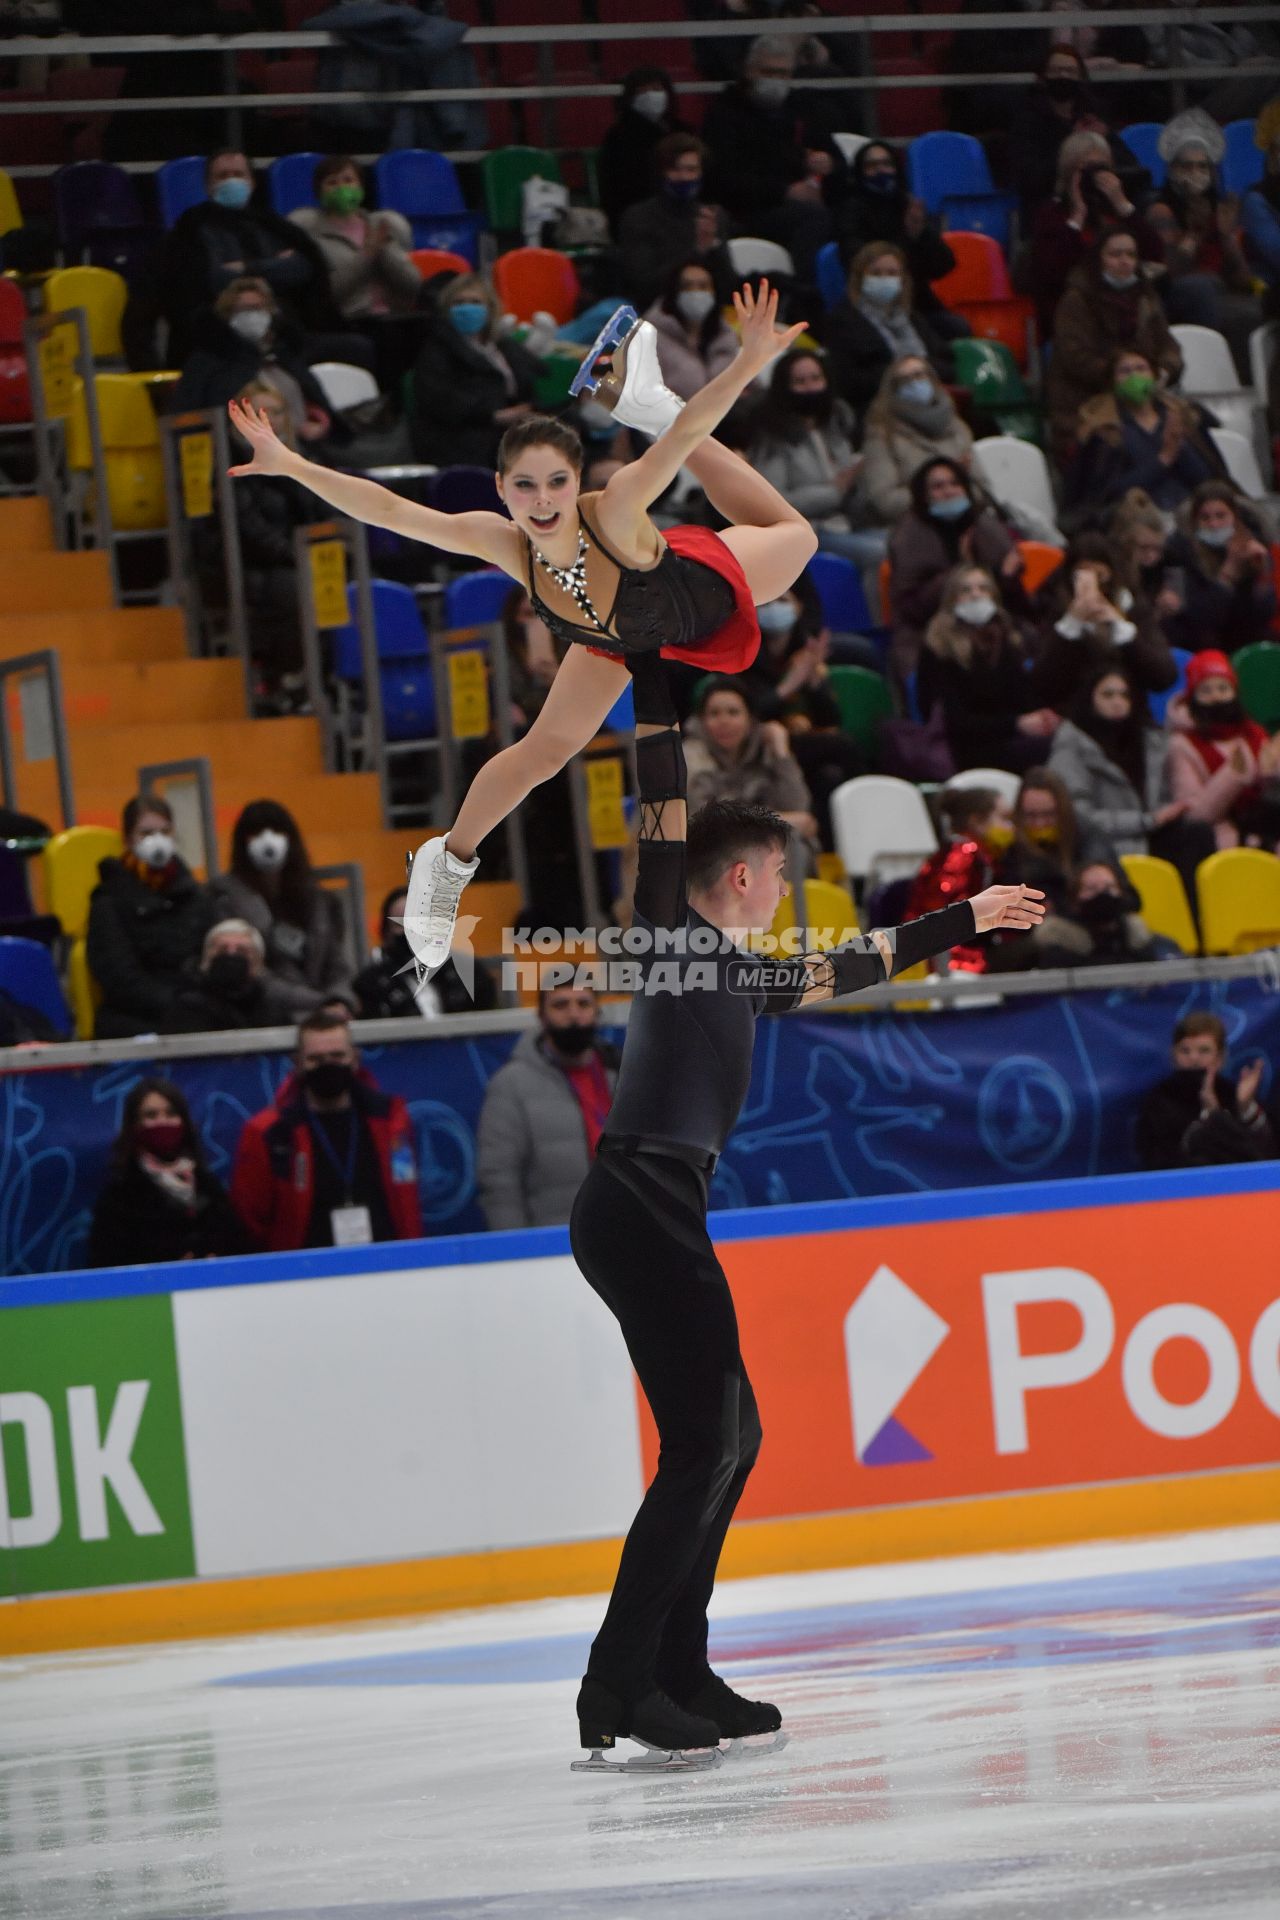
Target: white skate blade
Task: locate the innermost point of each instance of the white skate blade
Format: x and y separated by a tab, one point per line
752	1745
654	1760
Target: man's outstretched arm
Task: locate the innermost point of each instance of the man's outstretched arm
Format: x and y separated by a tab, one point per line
872	958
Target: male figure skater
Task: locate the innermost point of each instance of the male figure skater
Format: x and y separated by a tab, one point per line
639	1226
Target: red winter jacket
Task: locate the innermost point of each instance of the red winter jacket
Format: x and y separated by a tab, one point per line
273	1183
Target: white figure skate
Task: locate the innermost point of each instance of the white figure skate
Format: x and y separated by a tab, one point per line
436	881
633	388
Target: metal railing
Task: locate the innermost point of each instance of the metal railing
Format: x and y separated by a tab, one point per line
195	449
446	649
317	616
349	875
588	841
44	729
194	772
58	355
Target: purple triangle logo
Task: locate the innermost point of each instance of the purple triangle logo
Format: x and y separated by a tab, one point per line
893	1446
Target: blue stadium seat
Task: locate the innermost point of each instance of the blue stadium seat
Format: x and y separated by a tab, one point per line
1242	164
423	186
289	181
621	717
404	659
949	172
476	599
27	974
832	279
408	703
95	204
1141	138
1158	702
179	185
839	587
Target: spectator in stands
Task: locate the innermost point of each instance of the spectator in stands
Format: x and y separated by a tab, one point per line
974	665
1209	281
1092	197
148	916
1088	616
1049	844
731	755
1224	584
1099	924
231	988
646	118
804	445
159	1201
949	523
231	236
270	885
244	340
1138	532
979	833
770	168
1221	763
543	1113
386	988
468	386
878	207
1109	305
1260	207
1195	1117
1115	766
366	254
720	57
911	420
1058	104
876	323
331	1163
1137	435
695	342
674	223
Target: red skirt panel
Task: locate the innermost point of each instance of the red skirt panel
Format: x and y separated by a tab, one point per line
732	647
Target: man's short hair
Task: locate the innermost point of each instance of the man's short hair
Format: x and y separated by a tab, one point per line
726	831
322	1021
1193	1024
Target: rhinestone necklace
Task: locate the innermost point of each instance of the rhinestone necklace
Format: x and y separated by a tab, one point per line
573	580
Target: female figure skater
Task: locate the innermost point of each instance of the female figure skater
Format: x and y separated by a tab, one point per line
595	566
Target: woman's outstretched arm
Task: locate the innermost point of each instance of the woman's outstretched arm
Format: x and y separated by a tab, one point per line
485	536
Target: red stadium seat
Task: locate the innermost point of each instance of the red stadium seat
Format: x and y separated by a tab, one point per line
530	280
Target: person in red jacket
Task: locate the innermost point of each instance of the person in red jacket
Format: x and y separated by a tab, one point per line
332	1163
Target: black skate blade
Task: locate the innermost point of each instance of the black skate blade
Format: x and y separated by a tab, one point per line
752	1746
654	1761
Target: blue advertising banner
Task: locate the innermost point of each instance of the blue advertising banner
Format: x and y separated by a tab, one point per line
840	1105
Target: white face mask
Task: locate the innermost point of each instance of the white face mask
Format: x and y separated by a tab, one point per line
253	323
652	103
882	289
977	611
268	850
155	849
695	303
770	91
776	616
1214	536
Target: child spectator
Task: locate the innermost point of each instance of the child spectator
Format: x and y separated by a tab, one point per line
1195	1117
160	1202
979	834
695	342
974	666
332	1162
1227	597
270	885
949	523
1222	764
148	917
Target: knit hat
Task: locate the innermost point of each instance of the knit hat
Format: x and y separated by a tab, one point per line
1194	128
1204	666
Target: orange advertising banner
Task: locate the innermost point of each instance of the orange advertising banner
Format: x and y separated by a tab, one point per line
949	1359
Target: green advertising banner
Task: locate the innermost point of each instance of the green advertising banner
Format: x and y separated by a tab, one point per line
93	1471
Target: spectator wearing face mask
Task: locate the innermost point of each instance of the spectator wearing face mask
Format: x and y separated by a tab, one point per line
772	158
1137	436
733	755
1099	924
1260	207
695	342
243	341
332	1163
230	990
911	420
949	523
148	917
159	1201
1049	844
1224	587
1088	616
675	223
387	987
788	682
646	117
1138	533
974	666
1109	307
469	386
367	254
876	323
270	885
1221	763
804	446
1196	1116
979	833
1208	282
877	207
1092	197
544	1112
1059	103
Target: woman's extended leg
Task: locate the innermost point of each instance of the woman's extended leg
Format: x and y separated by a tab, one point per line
582	693
771	542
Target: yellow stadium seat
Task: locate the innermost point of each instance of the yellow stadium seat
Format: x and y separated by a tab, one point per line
130	445
1239	892
1163	898
102	294
71	872
831	867
829	914
82	989
10	211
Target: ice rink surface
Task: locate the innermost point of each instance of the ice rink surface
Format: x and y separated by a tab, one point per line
1072	1734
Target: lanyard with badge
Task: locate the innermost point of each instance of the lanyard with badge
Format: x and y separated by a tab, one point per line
352	1225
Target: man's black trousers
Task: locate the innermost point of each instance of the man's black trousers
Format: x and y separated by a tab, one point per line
639	1234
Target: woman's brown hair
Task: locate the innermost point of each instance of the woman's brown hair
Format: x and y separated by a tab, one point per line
539	430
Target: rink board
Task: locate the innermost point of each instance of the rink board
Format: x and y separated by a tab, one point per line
199	1449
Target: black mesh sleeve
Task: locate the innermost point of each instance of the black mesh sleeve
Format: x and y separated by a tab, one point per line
661	889
932	933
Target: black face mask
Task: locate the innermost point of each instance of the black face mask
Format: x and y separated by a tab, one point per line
1061	87
1188	1082
228	973
1216	713
572	1041
810	402
1100	910
331	1079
